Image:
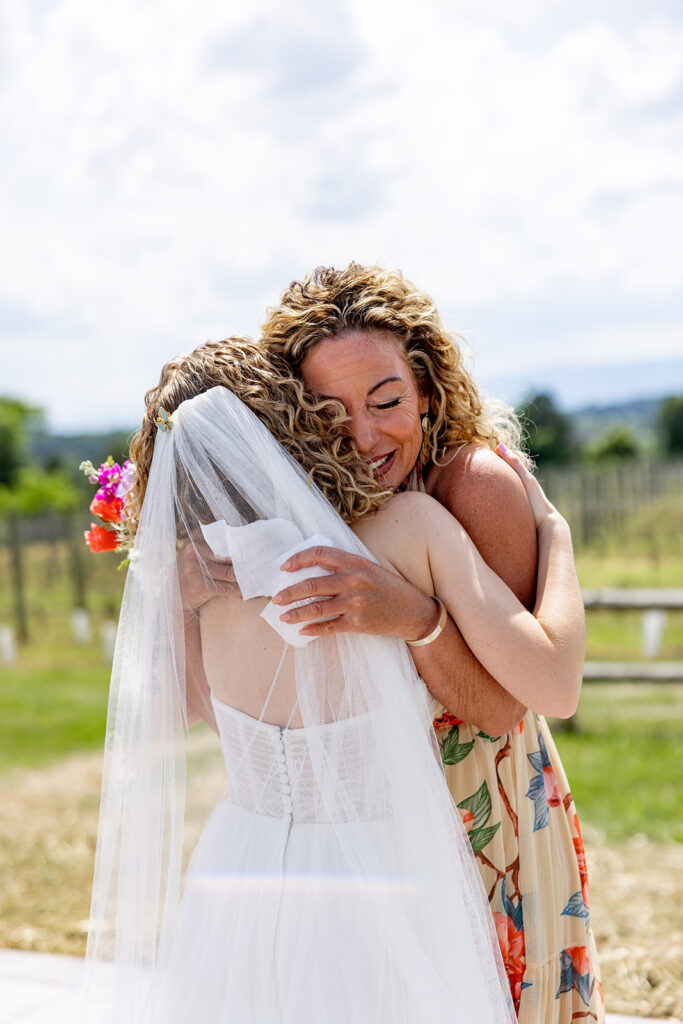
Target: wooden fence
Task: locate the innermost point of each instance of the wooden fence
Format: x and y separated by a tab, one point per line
597	500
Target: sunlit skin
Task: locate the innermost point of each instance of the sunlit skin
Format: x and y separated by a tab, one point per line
366	371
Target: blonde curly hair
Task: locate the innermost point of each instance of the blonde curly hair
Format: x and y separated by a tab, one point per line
313	432
329	303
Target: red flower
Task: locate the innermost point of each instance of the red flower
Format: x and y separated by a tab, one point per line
100	539
110	511
552	790
511	942
446	721
581	961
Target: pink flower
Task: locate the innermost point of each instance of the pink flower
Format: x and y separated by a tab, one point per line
126	481
552	790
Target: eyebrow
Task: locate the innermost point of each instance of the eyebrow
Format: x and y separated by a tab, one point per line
375	387
387	380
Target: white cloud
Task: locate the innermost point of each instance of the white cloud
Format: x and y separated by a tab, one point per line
171	167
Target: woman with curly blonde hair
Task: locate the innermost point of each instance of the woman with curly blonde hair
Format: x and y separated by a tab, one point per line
372	340
333	882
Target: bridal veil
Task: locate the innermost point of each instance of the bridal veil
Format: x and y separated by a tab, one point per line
334	884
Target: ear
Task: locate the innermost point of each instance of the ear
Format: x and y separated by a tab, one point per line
423	403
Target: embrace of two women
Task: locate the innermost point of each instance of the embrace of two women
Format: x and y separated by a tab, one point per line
342	564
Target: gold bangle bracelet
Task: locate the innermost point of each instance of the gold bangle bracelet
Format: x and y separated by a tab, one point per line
437	629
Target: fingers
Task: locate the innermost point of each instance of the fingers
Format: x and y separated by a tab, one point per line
325	557
338	625
540	505
515	462
314	610
313	586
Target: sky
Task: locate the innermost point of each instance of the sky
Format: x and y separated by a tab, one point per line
168	168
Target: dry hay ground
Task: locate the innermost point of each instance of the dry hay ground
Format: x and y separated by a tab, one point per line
47	840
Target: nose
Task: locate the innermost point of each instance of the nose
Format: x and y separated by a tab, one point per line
363	432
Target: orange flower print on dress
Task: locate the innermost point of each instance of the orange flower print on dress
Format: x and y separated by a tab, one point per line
511	942
581	860
446	721
510	933
467	819
575	970
543	788
552	790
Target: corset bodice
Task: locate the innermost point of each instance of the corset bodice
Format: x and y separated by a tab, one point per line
317	774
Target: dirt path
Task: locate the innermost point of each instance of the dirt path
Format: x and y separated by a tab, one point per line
47	841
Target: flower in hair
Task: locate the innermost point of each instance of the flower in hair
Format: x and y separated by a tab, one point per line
108	504
98	538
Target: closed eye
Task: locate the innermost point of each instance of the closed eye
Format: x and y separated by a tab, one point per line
389	405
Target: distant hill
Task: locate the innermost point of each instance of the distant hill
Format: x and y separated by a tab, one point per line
601	385
69	450
593	421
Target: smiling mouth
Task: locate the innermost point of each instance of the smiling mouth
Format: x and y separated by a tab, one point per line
379	466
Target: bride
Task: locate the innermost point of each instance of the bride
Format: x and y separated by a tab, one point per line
334	883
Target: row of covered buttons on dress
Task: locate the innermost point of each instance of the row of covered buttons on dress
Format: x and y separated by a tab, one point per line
285	783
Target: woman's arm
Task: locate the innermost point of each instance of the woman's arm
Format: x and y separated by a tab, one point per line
489	499
539	659
194	593
371	599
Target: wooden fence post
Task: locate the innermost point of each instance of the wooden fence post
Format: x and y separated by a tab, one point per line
17	563
76	544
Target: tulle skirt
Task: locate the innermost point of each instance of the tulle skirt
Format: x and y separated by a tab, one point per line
292	941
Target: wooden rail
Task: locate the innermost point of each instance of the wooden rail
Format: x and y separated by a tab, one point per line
638	599
647	600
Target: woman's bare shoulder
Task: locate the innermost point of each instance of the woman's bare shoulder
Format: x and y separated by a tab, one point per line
474	473
399	513
397	535
488	499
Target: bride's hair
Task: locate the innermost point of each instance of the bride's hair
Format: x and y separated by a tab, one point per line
313	432
330	302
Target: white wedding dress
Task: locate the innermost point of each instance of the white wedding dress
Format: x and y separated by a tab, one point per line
334	884
296	932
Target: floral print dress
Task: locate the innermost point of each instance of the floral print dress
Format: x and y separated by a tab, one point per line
519	814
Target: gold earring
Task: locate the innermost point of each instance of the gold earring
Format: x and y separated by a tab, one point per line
426	424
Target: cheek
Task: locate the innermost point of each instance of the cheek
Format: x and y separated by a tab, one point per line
408	429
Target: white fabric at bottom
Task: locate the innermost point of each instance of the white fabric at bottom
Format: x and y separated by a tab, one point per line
240	934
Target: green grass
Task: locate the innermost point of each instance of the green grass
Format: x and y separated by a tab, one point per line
624	763
646	551
53	700
50	711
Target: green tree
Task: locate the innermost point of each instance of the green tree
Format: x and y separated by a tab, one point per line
26	490
670	422
549	431
618	443
15	419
